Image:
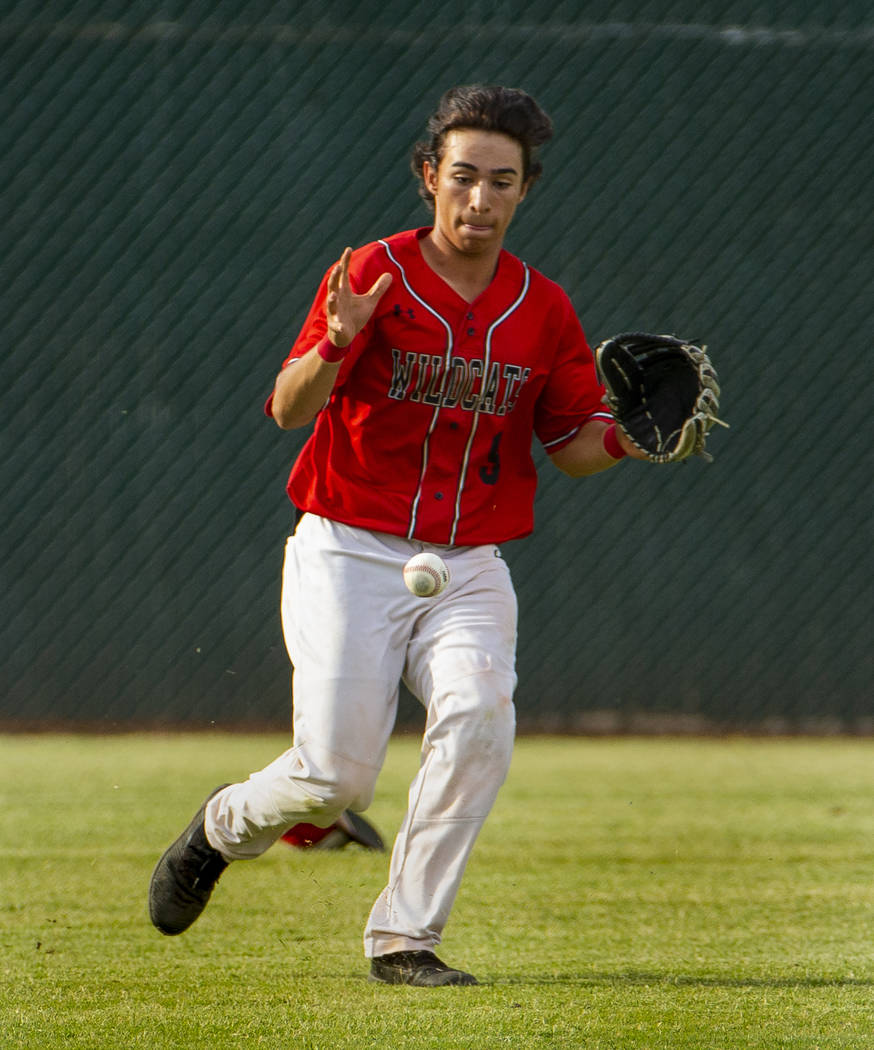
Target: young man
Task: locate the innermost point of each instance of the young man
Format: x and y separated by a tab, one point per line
429	362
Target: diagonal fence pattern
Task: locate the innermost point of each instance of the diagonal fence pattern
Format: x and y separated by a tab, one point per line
174	186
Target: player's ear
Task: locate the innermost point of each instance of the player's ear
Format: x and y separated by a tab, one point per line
429	174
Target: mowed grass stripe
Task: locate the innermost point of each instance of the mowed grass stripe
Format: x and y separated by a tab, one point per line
647	893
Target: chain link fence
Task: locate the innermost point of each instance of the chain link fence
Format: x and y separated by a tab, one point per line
177	176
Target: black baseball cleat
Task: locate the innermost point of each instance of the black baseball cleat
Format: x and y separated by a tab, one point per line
420	968
359	830
185	877
348	827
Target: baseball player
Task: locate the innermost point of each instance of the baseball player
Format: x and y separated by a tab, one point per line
429	361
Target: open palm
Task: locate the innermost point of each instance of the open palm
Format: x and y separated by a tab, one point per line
346	312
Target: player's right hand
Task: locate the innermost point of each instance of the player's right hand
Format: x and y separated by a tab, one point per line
346	312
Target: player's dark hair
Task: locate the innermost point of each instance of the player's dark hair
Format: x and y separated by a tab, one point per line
485	108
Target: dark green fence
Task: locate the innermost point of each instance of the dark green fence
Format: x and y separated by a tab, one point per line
176	177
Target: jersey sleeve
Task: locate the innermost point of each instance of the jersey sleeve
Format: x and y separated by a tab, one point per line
573	394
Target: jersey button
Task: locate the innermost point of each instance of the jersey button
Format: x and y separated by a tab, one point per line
471	331
438	495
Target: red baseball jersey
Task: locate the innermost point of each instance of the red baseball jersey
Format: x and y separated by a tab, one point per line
429	429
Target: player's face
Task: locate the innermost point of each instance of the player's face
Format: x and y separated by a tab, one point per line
476	189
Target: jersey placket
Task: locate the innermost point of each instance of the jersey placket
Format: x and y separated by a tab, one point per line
452	429
484	386
439	494
416	505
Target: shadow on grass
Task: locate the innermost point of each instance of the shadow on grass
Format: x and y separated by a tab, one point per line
635	978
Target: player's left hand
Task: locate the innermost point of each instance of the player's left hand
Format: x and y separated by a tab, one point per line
346	312
663	393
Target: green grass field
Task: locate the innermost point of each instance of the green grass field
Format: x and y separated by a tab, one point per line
645	893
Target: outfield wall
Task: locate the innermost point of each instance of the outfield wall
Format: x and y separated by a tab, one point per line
177	178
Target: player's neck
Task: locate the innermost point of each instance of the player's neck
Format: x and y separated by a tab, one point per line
468	274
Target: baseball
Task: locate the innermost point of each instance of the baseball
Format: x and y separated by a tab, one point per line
426	575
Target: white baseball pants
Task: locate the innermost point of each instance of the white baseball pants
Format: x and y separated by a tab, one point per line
353	631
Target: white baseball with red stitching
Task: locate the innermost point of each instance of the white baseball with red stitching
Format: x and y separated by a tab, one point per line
426	575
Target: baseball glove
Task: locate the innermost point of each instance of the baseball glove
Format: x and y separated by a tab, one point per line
663	393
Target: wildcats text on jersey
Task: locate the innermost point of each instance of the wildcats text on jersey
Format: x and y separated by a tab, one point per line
472	385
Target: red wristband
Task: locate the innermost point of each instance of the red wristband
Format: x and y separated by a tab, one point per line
328	352
611	443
